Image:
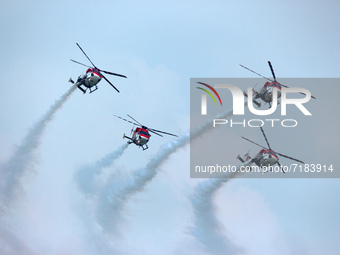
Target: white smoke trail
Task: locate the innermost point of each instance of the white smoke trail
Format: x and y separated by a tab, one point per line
206	227
85	176
12	171
116	193
85	179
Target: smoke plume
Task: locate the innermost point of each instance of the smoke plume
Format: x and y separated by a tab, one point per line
22	161
118	190
86	175
207	229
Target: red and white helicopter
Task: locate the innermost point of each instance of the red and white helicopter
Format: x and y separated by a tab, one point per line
92	76
140	135
266	157
266	92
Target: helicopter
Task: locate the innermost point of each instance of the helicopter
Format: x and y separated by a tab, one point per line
92	76
266	157
140	135
266	92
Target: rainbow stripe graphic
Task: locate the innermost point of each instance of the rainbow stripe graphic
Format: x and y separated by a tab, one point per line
209	93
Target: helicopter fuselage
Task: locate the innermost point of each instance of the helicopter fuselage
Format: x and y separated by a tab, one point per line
92	77
266	93
89	79
140	137
265	158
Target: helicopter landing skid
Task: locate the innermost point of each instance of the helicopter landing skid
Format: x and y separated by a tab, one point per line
93	90
144	147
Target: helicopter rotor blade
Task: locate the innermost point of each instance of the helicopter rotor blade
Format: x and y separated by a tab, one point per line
110	83
256	73
285	156
304	94
278	163
86	55
298	92
253	142
113	73
80	63
265	137
271	69
126	120
135	120
155	130
265	76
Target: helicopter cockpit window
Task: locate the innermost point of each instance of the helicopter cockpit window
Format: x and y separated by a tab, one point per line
143	133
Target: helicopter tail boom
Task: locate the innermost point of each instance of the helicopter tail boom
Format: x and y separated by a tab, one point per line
124	136
240	159
70	80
